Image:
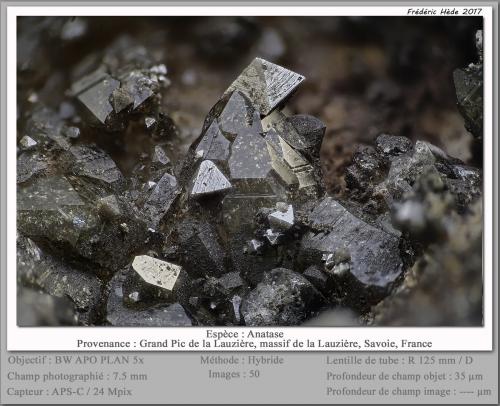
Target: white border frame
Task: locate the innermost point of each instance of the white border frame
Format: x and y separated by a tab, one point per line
65	338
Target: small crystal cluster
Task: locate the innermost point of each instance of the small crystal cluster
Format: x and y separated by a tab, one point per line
126	82
238	232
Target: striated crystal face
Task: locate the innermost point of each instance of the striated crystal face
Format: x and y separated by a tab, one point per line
208	180
266	84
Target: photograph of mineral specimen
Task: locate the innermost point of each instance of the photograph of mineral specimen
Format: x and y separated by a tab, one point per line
249	171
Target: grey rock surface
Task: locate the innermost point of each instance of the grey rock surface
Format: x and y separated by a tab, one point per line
283	298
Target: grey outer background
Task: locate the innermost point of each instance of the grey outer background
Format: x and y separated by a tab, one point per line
180	377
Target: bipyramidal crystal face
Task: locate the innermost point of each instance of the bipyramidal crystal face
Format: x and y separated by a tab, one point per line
238	232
